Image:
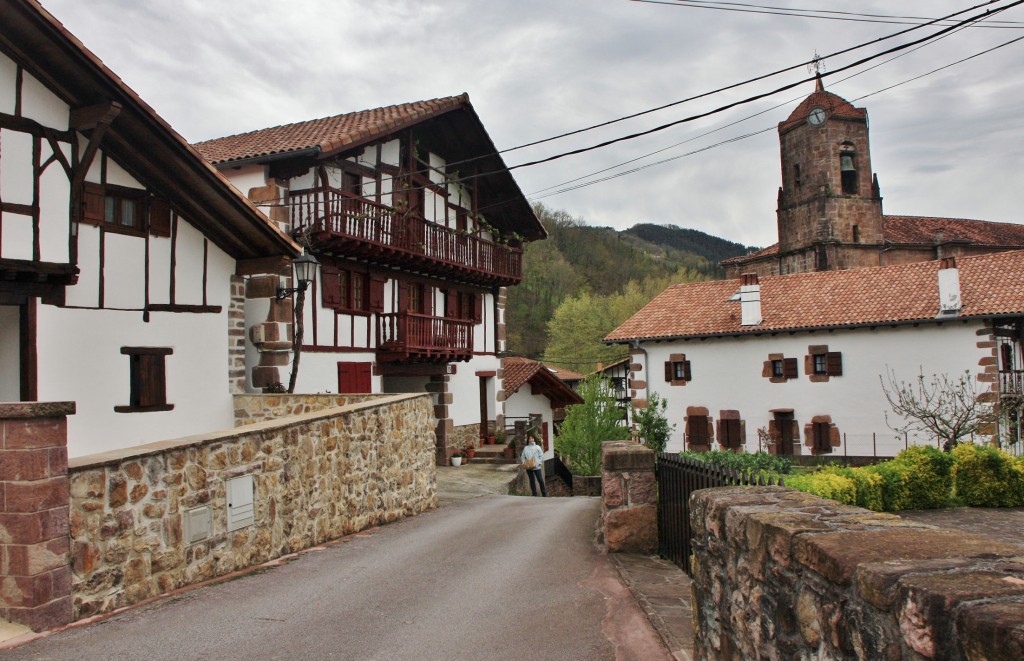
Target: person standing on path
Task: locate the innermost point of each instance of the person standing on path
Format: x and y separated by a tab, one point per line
533	461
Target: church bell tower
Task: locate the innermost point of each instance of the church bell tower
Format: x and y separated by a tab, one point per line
830	208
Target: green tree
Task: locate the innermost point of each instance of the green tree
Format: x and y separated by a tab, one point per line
652	423
587	425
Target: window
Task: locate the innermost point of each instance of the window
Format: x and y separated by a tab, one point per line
115	208
147	378
821	364
796	172
416	297
779	369
822	437
343	289
848	169
697	430
464	305
856	234
677	370
730	430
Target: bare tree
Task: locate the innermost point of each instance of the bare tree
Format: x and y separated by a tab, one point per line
947	408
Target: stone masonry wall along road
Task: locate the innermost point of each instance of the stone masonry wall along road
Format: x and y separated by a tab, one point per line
495	577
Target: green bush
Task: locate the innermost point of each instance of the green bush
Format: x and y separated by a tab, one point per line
987	477
826	484
757	461
929	478
869	487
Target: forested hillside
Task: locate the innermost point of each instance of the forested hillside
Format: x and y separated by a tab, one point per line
584	281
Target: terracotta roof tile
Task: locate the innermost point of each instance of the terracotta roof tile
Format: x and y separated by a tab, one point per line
990	284
517	372
919	229
329	134
564	374
834	105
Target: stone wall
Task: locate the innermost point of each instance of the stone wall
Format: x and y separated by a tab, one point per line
316	476
779	574
35	582
629	498
252	408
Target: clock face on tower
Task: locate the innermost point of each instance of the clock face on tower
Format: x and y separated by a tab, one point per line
816	117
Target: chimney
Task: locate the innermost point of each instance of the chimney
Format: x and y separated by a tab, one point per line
750	300
949	285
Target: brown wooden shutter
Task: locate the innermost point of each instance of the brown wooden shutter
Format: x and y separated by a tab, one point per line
732	432
377	292
478	308
669	371
822	437
159	217
686	370
331	287
697	429
451	303
354	378
834	363
789	368
93	209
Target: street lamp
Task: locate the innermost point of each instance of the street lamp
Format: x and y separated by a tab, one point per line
305	273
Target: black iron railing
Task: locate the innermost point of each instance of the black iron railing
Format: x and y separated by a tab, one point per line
678	477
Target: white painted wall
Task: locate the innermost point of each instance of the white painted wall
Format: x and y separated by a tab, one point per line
524	403
727	375
80	360
10	354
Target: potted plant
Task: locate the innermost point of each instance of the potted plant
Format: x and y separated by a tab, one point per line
510	449
457	458
470	451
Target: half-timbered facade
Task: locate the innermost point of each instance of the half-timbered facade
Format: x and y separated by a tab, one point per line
122	253
419	228
803	357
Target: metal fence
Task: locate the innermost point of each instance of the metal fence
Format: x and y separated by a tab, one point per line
678	477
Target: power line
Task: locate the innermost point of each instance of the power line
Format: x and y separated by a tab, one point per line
825	14
749	135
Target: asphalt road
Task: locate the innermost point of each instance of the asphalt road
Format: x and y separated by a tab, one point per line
495	577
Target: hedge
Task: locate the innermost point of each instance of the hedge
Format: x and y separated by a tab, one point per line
987	477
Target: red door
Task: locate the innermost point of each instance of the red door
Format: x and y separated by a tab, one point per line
354	378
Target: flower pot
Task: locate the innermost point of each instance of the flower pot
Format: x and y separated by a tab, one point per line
510	453
456	461
490	440
470	453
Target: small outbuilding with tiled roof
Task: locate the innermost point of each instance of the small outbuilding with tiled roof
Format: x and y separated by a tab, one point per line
802	358
547	396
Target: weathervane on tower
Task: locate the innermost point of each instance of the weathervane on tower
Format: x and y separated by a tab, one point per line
816	65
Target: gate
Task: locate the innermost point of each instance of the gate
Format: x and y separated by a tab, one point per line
678	477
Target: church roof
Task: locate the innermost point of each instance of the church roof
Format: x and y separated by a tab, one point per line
834	105
917	230
990	285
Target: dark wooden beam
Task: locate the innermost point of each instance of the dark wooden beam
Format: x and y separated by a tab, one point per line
263	265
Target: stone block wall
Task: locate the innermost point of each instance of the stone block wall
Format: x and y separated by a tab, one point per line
629	498
316	476
779	574
35	581
252	408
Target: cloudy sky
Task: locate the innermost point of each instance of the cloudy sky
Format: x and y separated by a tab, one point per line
947	144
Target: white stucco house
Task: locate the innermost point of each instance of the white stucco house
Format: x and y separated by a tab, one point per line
419	227
122	252
802	356
531	389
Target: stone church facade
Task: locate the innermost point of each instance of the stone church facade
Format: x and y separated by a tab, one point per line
830	204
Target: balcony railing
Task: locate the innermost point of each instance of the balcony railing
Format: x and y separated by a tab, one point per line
1011	382
361	228
421	337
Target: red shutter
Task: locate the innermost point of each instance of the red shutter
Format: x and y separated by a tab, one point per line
354	378
544	436
668	370
834	362
330	286
789	368
451	304
377	292
159	217
478	308
93	209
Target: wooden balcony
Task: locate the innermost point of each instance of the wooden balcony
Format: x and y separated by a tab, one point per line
352	226
410	337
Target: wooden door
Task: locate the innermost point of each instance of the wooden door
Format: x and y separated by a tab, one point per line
784	425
